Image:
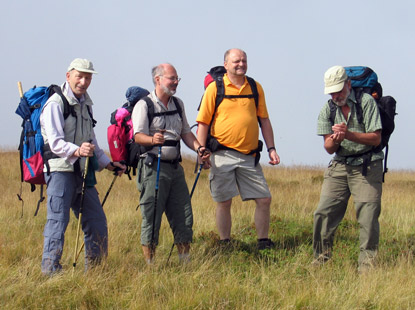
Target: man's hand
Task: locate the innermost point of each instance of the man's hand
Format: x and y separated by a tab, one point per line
274	157
342	127
85	150
203	154
158	137
117	167
339	134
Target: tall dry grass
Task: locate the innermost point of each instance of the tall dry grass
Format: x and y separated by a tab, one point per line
238	278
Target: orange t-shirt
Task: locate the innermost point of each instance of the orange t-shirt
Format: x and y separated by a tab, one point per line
236	123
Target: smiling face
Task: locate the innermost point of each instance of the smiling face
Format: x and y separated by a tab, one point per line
79	82
168	81
236	63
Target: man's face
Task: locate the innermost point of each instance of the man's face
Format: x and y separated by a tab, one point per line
236	63
79	82
169	81
340	98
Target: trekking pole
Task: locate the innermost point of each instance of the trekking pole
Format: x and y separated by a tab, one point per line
42	198
80	213
109	189
155	197
197	178
103	202
20	88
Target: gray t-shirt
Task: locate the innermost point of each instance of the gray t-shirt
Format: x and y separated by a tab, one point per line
174	125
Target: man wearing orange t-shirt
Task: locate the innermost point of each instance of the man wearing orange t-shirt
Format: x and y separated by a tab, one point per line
234	169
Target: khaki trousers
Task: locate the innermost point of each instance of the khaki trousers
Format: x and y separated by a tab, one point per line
341	181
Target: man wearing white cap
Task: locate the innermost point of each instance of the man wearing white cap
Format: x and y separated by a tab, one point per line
69	138
354	170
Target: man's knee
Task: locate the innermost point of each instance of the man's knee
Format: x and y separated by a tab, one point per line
223	205
263	202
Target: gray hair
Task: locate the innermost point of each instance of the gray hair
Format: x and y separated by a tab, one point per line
157	71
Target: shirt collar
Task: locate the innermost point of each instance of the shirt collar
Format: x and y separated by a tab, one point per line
351	100
70	93
227	82
158	101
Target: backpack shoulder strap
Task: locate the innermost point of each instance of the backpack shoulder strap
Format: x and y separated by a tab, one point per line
333	109
67	108
254	89
94	122
359	111
150	108
358	106
178	107
220	92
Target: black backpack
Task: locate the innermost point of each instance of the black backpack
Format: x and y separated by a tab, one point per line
365	80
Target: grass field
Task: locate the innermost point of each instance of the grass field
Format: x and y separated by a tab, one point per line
238	278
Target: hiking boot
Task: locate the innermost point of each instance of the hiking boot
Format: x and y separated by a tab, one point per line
264	244
51	268
366	266
149	253
224	245
224	241
183	250
320	260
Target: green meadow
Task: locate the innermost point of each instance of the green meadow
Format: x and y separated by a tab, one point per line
238	277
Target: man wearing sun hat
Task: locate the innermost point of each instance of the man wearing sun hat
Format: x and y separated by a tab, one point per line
68	141
354	169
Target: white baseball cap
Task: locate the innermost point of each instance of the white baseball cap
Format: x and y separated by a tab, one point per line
81	65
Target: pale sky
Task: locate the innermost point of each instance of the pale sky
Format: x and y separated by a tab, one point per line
290	44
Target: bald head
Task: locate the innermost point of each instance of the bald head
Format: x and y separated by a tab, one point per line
160	70
165	80
236	65
232	51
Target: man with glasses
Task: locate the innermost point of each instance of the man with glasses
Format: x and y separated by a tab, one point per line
163	133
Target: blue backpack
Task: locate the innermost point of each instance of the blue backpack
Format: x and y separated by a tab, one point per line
365	80
31	141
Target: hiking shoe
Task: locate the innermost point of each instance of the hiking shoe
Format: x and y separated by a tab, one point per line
50	268
184	258
264	244
224	243
366	266
320	260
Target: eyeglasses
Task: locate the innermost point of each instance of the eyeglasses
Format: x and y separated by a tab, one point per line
172	78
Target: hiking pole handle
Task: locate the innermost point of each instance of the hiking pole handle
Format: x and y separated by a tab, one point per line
19	86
